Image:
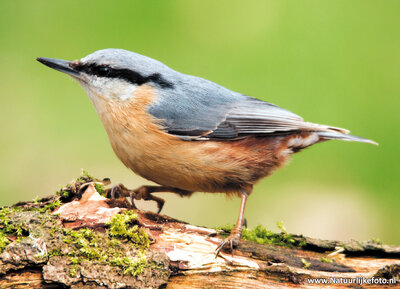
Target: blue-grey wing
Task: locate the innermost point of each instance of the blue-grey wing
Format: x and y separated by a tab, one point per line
200	109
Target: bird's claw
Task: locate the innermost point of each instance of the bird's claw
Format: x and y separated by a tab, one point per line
117	191
112	193
233	241
147	197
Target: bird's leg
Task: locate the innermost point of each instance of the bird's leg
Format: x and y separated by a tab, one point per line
234	237
144	193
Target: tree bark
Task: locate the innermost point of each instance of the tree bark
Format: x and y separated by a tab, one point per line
180	255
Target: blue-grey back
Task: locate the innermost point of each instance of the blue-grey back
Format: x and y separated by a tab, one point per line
193	107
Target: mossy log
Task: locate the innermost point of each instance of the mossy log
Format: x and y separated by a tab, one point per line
80	239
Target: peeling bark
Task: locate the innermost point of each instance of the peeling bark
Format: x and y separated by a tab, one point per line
180	255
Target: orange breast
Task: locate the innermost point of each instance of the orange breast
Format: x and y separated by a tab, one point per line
209	166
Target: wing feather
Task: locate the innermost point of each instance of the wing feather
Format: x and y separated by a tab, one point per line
207	111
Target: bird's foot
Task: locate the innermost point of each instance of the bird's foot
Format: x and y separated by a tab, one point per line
145	193
142	193
231	242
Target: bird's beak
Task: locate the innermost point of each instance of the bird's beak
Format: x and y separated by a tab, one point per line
60	65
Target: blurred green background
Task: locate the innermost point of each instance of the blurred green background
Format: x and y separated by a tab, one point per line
333	62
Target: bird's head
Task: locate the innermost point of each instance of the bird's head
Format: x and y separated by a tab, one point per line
114	74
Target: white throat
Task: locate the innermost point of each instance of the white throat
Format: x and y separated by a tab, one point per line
109	89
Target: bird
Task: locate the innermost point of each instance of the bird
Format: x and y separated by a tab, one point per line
188	134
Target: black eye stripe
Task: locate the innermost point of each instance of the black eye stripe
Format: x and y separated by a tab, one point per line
125	74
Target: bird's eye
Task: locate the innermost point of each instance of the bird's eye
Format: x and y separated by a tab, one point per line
103	71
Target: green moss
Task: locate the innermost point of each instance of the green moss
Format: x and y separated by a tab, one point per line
85	243
54	252
36	200
49	207
85	174
85	177
74	269
69	191
16	209
8	228
3	241
63	193
121	227
376	241
306	264
75	260
109	247
326	260
131	266
114	243
100	189
262	235
66	193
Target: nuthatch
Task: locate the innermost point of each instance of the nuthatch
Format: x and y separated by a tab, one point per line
188	134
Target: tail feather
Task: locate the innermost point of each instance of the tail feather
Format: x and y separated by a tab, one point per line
347	137
321	127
